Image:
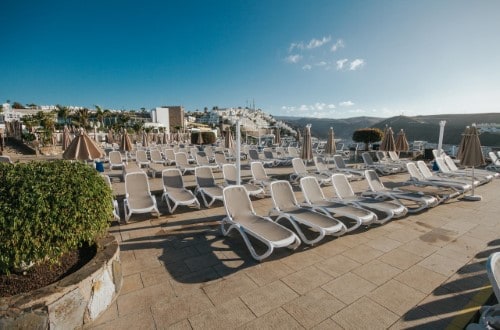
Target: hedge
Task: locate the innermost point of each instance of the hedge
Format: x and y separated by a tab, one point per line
208	137
48	209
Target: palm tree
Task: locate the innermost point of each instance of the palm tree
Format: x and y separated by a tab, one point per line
63	112
82	117
99	115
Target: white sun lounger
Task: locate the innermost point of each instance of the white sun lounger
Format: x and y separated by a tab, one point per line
206	186
418	178
379	190
286	206
342	167
138	197
182	163
242	217
345	194
174	190
230	179
300	171
316	199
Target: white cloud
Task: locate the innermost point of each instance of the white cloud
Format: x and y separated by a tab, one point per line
293	45
356	64
331	106
337	45
346	104
322	63
341	63
307	67
315	43
293	58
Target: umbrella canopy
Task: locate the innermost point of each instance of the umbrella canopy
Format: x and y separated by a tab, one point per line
83	148
402	142
306	151
228	139
461	146
330	148
277	139
110	137
165	137
125	143
387	143
471	154
66	138
298	137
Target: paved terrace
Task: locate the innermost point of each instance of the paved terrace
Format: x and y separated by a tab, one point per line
422	271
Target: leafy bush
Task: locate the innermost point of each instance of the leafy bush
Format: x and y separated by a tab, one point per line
208	137
367	136
49	208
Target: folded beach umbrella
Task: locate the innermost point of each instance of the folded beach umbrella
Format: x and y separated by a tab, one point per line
66	138
387	143
461	146
199	140
277	139
330	148
83	148
471	155
402	142
228	139
306	151
126	143
110	136
145	141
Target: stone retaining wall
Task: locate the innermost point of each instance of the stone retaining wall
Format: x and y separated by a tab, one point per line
76	300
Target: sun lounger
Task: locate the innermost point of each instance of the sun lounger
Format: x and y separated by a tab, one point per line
419	179
428	175
379	190
253	156
116	210
344	193
286	206
482	175
202	160
174	190
230	179
242	217
116	161
383	169
169	155
342	167
315	198
138	197
260	177
495	162
182	163
300	171
206	186
141	158
322	168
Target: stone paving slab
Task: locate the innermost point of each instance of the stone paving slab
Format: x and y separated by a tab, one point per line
425	270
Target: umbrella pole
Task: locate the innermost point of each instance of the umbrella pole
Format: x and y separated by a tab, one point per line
473	197
238	153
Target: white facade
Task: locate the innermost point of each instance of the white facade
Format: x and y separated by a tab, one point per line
162	117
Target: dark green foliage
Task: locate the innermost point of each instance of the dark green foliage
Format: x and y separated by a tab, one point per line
367	135
208	137
49	208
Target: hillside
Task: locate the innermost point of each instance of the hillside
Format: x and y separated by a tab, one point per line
417	128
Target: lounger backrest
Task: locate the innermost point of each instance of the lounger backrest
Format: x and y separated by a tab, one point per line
115	157
209	152
237	202
298	166
253	154
172	178
283	196
493	157
292	151
367	159
374	181
169	154
426	172
268	154
220	159
450	163
141	156
414	172
341	186
181	159
320	164
381	156
442	165
493	271
229	173
393	155
201	159
339	162
258	171
280	151
311	190
136	185
204	177
155	155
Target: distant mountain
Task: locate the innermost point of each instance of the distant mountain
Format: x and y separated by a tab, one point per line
416	128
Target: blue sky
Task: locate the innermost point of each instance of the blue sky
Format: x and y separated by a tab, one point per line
332	59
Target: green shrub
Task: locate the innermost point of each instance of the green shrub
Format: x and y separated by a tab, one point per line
208	137
49	208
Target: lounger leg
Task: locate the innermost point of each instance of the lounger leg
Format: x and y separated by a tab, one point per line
299	231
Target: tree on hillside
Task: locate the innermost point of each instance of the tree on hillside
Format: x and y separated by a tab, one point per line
17	105
367	135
